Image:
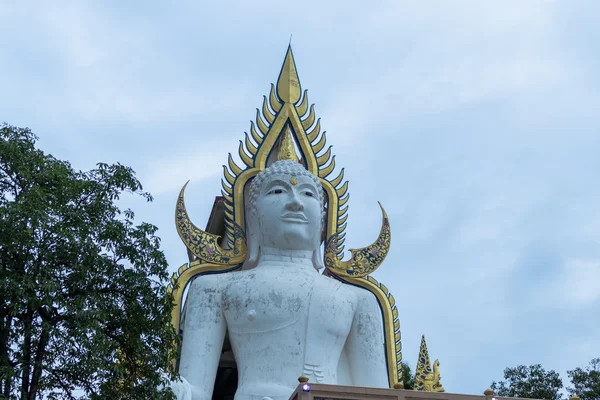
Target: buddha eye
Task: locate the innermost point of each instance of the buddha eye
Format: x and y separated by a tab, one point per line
275	191
309	194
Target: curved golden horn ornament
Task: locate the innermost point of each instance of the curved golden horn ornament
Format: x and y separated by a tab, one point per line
363	261
205	245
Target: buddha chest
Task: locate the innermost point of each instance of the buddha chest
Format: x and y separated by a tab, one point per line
263	301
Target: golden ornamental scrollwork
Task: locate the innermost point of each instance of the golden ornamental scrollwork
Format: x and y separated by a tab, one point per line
431	381
205	245
363	261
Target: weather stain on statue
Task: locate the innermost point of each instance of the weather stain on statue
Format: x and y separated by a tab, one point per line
296	339
295	304
276	298
208	346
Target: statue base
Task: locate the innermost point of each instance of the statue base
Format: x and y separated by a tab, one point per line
335	392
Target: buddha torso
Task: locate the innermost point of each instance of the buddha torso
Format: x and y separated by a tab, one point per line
268	311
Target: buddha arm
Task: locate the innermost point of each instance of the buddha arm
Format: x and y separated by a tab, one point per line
365	346
203	332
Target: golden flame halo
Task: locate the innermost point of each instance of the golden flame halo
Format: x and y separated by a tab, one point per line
285	116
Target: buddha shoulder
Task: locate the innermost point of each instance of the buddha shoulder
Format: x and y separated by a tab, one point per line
203	305
355	295
207	285
363	297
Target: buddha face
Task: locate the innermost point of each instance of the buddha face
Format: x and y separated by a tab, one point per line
289	212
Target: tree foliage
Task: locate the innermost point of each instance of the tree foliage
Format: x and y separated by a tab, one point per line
83	308
408	379
586	382
532	382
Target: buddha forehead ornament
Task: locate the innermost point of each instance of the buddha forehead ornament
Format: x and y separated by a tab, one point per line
284	127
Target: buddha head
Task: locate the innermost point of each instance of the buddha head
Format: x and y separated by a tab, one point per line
285	211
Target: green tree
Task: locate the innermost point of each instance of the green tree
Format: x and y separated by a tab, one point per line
586	382
83	306
532	382
407	376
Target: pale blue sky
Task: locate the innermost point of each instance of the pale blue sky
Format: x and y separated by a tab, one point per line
474	123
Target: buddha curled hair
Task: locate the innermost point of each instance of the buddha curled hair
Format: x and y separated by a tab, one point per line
287	167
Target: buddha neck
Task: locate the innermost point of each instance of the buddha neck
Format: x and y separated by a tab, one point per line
278	258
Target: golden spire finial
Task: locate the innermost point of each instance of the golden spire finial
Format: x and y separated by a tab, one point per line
287	151
427	378
288	83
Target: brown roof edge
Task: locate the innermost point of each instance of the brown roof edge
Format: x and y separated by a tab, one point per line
216	220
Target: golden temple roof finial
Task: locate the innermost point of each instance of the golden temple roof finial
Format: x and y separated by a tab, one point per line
426	379
287	151
288	83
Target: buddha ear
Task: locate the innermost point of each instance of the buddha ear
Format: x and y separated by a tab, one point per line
317	256
317	259
252	241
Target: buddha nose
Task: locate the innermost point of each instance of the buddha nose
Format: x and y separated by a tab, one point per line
294	203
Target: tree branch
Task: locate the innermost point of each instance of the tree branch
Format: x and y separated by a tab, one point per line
28	324
39	356
4	357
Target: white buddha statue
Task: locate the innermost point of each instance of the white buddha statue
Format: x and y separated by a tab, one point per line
284	318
